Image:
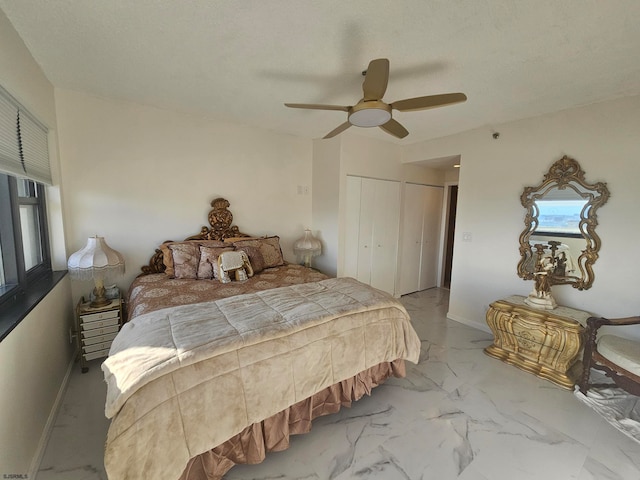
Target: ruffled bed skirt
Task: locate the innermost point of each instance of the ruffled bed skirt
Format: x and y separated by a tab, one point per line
271	435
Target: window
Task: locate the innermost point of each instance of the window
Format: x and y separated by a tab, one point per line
24	242
560	217
24	170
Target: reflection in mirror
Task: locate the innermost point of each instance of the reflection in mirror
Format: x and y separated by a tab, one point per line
560	224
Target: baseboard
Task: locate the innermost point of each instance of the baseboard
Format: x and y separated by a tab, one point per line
53	414
479	326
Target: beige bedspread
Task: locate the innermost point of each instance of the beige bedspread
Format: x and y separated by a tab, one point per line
183	380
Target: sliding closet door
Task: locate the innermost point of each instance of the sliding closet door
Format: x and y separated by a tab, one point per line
352	226
365	233
372	224
386	224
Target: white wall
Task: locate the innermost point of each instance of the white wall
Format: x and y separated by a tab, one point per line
139	175
35	356
603	138
326	201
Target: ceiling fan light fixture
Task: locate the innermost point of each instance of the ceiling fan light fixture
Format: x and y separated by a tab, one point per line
370	114
372	111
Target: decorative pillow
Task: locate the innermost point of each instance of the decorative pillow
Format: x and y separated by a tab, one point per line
255	257
167	253
209	258
269	248
185	259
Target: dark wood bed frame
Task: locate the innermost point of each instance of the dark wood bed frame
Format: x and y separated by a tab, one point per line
220	219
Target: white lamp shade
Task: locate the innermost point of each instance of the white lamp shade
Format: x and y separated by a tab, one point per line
307	245
95	260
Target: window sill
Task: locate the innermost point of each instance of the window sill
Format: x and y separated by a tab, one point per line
14	311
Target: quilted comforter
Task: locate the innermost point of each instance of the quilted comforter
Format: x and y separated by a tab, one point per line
182	380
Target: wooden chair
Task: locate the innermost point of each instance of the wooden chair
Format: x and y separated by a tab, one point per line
617	357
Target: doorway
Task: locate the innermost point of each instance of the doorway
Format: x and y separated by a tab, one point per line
450	225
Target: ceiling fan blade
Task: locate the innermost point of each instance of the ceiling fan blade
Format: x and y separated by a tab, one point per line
395	129
337	130
376	79
431	101
314	106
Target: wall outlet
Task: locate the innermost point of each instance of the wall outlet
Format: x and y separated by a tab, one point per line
467	236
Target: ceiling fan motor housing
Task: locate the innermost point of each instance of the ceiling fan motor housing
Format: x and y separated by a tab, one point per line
370	114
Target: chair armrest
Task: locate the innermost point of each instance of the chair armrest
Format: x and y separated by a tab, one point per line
594	323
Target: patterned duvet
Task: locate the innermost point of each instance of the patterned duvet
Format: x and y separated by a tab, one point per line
153	292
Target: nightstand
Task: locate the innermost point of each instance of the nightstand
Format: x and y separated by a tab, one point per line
96	328
543	342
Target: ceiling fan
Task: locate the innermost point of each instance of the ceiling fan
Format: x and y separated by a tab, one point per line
371	111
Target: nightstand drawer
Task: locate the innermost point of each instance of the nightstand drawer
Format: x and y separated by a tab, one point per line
100	324
93	317
99	339
98	346
86	334
98	354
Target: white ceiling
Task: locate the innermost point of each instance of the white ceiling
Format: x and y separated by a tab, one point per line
241	60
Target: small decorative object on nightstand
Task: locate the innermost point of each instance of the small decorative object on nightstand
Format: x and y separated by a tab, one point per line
96	328
543	342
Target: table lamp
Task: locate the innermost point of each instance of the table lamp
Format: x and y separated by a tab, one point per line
307	247
96	261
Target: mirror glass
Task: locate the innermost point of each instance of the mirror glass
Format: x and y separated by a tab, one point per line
560	223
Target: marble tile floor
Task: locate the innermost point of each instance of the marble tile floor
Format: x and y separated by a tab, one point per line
458	414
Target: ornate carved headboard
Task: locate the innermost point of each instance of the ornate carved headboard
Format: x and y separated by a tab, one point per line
220	219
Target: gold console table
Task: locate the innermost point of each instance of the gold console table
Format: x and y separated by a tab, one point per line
543	342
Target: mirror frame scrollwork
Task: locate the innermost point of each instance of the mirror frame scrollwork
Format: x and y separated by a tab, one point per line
563	174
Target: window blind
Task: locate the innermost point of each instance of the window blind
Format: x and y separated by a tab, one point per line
24	149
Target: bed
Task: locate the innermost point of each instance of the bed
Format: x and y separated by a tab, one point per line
205	375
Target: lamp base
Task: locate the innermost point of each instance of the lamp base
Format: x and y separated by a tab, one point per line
100	299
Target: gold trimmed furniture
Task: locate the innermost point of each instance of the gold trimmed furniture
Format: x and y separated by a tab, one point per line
616	356
220	220
543	342
566	191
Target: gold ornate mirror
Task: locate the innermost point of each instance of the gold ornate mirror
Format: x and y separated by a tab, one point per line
560	224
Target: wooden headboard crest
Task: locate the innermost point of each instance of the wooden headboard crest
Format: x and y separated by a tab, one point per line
220	219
